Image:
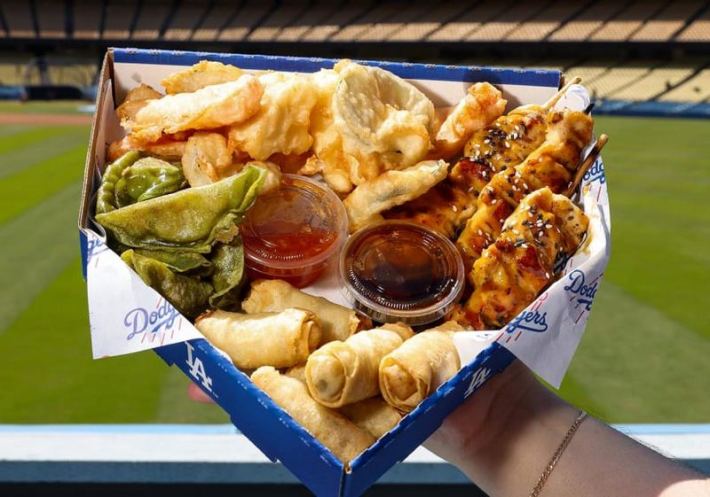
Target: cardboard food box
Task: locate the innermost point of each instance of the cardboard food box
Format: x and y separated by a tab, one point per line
127	316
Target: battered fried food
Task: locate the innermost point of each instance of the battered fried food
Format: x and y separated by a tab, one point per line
166	148
367	121
282	124
207	108
204	73
391	188
511	272
206	159
135	100
482	104
505	142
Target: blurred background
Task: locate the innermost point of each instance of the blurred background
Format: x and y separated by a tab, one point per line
645	357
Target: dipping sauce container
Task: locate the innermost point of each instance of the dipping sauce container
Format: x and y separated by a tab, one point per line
291	233
401	271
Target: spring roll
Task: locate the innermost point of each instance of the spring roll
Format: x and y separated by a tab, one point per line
340	373
337	322
373	415
418	367
332	429
279	339
297	372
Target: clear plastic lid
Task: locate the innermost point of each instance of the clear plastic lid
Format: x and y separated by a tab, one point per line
401	271
298	225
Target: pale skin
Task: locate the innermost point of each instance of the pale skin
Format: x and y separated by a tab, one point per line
503	437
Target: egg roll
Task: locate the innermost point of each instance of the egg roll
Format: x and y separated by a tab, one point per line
419	366
340	373
332	429
337	322
373	415
279	339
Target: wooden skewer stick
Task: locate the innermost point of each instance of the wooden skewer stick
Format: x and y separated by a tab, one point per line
591	158
557	96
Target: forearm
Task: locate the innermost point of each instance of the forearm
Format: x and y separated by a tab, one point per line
505	448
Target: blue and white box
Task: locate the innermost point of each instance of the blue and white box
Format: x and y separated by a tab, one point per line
127	316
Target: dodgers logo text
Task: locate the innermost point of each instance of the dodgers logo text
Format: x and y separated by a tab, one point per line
139	320
582	291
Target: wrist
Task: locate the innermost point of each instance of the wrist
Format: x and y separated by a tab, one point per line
524	426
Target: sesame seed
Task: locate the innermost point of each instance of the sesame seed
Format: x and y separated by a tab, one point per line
548	226
454	208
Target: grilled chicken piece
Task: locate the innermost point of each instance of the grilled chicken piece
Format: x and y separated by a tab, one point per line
505	143
543	229
552	164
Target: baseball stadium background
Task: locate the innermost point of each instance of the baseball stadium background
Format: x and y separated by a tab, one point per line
645	357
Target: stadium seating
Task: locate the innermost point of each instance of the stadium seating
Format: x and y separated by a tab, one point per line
657	81
669	21
469	21
628	21
694	90
213	21
248	17
339	16
51	19
87	20
587	21
183	22
151	20
276	20
699	28
443	31
119	17
20	20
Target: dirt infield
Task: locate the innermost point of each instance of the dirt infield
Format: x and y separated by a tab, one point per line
45	119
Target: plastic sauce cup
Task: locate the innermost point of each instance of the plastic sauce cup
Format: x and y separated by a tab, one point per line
401	271
291	233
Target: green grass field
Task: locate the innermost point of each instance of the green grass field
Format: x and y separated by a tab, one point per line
645	356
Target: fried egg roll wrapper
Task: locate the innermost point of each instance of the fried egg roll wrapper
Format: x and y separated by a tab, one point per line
373	415
419	366
337	322
340	373
332	429
279	339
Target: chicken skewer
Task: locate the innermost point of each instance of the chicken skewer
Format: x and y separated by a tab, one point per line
553	164
512	271
504	143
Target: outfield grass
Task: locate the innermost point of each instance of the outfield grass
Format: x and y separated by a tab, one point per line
644	358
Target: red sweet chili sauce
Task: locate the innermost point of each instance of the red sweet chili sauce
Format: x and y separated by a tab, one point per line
291	233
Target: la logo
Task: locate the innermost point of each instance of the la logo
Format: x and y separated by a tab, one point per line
197	369
479	378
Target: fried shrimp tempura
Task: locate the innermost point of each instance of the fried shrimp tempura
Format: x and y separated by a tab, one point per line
209	107
482	104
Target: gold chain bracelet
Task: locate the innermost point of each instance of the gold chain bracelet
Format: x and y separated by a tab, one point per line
558	454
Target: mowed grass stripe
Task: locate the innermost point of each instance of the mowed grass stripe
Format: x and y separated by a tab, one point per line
48	375
36	246
640	365
11	129
31	136
23	190
658	181
21	158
